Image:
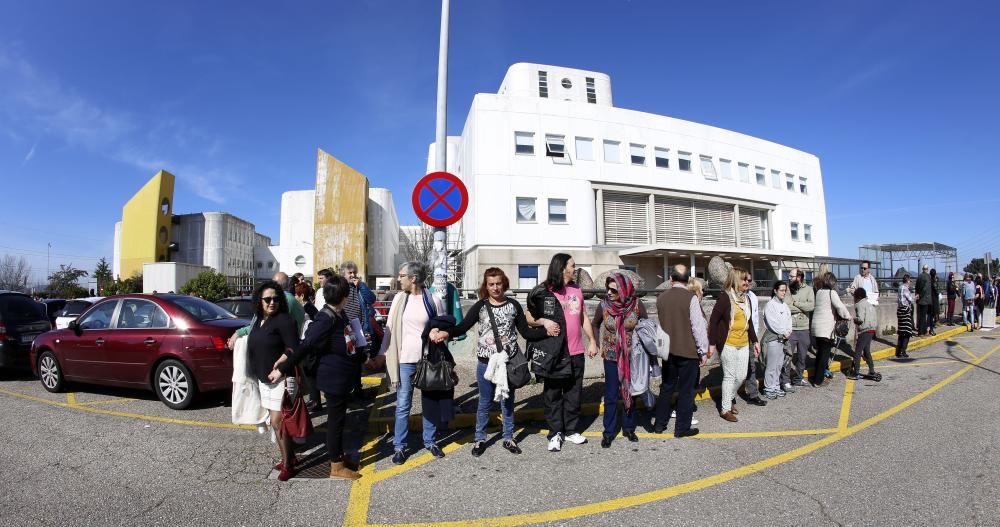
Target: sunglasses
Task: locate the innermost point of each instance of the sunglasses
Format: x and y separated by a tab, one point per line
864	268
612	290
269	299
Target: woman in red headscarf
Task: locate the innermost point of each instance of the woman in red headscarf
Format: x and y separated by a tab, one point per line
614	322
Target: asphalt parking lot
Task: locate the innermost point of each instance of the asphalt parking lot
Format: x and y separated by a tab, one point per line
919	448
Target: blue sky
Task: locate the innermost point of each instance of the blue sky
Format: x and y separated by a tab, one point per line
898	100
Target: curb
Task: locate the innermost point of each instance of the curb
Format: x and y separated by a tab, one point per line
384	424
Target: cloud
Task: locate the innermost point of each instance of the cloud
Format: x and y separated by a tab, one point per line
30	155
859	78
40	105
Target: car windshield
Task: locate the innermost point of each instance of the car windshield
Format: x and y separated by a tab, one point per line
200	309
18	307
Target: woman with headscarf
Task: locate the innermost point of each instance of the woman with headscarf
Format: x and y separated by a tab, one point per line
615	321
731	329
904	317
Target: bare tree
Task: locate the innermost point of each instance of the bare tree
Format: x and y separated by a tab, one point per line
416	243
14	272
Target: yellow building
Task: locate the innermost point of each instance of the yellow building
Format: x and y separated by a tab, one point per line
146	221
341	222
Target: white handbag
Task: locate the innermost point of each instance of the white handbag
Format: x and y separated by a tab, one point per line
247	409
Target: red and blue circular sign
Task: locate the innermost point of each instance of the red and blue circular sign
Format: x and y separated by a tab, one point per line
440	199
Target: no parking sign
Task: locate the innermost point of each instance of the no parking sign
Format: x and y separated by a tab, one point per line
440	199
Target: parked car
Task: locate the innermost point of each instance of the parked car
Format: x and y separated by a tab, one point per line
241	306
21	321
73	309
174	345
52	307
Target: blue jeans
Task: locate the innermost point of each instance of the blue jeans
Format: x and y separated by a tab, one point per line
612	393
486	391
404	399
969	314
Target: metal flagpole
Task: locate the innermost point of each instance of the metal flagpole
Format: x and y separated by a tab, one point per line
440	254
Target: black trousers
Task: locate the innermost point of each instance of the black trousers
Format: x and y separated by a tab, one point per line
823	348
336	416
901	343
562	400
863	348
679	373
924	316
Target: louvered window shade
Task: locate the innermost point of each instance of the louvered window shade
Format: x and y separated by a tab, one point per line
625	219
750	228
714	224
674	221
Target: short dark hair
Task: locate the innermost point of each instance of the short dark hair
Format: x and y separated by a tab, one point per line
860	294
777	285
325	272
258	293
336	290
829	281
866	262
494	271
554	278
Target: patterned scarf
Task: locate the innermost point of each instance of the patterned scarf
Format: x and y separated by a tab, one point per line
619	310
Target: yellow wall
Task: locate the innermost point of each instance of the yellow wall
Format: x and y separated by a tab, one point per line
341	215
145	227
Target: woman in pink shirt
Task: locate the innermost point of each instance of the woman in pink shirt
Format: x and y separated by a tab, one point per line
562	395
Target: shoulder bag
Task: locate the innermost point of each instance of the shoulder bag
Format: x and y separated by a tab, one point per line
295	422
841	327
432	375
518	374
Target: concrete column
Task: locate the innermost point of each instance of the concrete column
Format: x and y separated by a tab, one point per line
736	220
600	217
666	268
651	218
692	265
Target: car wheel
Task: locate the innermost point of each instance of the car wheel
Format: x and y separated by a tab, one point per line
174	384
50	373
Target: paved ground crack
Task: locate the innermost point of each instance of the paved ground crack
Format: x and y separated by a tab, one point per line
823	509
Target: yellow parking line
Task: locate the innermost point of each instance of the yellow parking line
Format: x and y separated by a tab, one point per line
912	364
71	398
966	350
106	401
845	405
357	513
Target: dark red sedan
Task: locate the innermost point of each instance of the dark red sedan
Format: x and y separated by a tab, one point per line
172	344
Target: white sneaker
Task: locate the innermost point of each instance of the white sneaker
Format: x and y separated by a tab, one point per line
576	439
555	444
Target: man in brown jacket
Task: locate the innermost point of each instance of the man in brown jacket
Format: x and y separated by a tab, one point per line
682	319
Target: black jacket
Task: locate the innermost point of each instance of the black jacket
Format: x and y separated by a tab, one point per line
337	372
549	356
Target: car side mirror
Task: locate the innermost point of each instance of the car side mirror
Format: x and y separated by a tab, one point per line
74	326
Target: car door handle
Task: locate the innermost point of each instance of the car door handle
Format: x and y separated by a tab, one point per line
99	341
149	341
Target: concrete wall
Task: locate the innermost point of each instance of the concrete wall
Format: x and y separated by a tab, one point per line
341	214
298	218
116	259
164	277
146	225
383	234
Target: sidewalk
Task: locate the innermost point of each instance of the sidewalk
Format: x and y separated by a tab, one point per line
528	406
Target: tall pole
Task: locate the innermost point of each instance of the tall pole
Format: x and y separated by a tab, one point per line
48	266
440	254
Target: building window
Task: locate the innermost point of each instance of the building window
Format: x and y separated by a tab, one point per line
684	161
524	143
557	211
726	168
543	84
708	168
807	233
761	176
744	173
795	232
270	265
802	185
776	178
662	157
591	91
260	265
555	145
527	276
566	83
790	182
526	210
637	154
611	154
584	148
300	260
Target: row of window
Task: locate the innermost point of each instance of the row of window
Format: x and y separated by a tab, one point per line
526	210
807	232
555	147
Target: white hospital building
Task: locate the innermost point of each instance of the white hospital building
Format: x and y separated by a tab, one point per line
552	165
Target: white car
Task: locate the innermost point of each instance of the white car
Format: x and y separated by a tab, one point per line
73	309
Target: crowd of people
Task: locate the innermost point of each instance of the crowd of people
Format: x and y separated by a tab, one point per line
300	340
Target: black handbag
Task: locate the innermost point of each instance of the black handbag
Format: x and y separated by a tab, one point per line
841	326
518	374
433	375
